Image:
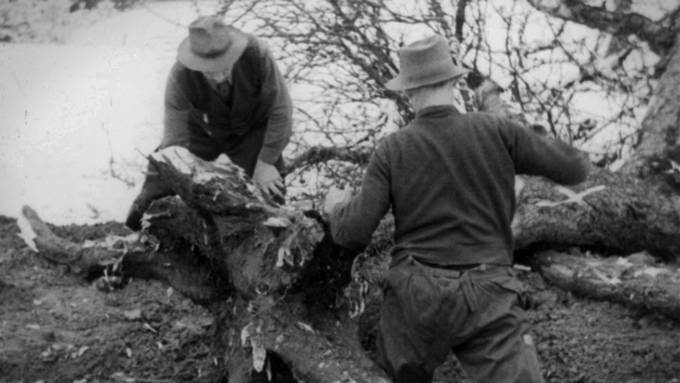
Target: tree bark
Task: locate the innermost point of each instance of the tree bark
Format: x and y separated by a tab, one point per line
270	274
279	285
659	34
611	212
637	280
658	151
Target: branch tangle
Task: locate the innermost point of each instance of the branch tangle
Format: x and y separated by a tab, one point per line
659	36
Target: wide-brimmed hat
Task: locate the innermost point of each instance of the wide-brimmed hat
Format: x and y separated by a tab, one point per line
212	46
425	62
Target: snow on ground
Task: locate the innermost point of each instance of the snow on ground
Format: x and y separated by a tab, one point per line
69	110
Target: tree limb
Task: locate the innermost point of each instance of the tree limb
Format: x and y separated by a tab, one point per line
320	154
660	37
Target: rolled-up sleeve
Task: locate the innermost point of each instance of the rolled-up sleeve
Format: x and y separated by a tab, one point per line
353	224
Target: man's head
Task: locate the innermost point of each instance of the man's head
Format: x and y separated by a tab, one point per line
212	47
426	68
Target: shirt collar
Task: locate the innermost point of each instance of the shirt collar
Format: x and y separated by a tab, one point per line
437	111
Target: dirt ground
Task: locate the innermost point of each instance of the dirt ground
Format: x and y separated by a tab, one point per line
57	327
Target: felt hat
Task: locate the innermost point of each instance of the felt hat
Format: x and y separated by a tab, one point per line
425	62
211	46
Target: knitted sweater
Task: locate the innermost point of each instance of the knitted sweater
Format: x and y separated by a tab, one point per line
449	179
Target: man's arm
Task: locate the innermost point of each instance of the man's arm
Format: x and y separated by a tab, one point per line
353	223
280	124
177	108
175	132
278	131
537	154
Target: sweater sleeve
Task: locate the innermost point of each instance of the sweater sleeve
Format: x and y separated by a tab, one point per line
280	124
353	223
540	155
176	112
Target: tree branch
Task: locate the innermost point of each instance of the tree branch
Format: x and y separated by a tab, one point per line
460	18
659	36
321	154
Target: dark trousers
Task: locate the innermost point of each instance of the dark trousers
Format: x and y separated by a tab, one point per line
428	312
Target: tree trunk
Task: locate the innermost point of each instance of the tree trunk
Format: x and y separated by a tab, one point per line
637	280
271	275
658	151
612	213
279	285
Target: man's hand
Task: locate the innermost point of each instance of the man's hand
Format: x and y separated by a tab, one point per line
335	198
269	181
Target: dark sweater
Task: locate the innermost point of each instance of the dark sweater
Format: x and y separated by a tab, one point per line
449	178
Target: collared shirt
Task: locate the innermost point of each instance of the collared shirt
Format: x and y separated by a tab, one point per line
449	179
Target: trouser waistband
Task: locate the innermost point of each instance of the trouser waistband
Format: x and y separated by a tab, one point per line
456	267
467	274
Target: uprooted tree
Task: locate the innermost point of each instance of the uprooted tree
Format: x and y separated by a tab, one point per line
282	291
277	284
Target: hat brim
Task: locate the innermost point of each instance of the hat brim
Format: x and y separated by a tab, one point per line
400	83
239	42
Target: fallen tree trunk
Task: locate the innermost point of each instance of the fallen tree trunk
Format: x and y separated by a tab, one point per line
269	274
116	259
610	212
637	280
273	277
300	326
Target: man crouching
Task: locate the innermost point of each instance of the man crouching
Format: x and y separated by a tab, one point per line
449	179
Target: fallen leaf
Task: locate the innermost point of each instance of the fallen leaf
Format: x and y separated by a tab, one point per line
259	355
277	222
148	327
305	326
133	314
82	350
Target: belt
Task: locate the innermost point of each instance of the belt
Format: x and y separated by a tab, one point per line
450	267
462	267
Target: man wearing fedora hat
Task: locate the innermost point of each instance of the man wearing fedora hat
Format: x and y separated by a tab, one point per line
449	179
224	94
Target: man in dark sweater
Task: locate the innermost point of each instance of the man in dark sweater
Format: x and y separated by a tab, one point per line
449	179
224	95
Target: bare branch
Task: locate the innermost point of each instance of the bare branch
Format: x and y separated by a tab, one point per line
659	36
321	154
460	18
